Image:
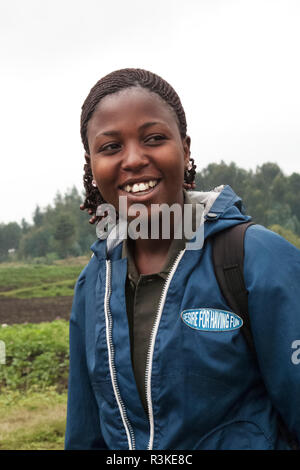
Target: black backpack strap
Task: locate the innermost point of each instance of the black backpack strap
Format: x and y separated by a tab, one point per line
228	259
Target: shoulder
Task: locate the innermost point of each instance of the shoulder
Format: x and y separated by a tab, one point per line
88	271
268	256
86	279
266	242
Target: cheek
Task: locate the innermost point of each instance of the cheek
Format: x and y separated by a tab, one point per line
174	165
102	171
103	174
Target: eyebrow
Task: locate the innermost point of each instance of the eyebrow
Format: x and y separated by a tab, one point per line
142	127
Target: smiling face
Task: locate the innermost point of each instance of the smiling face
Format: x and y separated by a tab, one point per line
136	149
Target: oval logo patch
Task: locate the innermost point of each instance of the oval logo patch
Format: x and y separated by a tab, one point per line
208	319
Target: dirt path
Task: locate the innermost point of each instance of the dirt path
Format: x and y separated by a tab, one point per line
34	310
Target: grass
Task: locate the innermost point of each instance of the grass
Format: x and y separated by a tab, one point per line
33	381
37	354
50	289
32	421
33	386
37	280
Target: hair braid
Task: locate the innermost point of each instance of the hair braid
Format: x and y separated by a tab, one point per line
113	83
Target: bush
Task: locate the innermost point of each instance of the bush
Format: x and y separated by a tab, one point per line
36	354
51	257
287	234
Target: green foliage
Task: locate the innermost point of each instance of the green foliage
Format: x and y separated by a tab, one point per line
32	420
46	435
61	229
36	242
270	197
10	235
64	234
36	354
38	217
34	278
53	289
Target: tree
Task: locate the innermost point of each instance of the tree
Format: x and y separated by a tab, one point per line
64	234
38	217
292	196
25	226
266	174
10	235
35	243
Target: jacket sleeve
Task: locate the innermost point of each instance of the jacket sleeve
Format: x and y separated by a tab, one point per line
83	429
272	276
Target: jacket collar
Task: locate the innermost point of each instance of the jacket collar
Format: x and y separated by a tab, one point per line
222	209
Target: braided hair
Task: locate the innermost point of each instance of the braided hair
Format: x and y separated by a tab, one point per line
113	83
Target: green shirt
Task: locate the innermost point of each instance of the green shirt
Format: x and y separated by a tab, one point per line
143	292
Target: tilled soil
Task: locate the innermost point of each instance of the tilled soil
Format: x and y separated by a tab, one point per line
34	310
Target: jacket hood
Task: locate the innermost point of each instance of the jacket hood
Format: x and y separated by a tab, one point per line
220	209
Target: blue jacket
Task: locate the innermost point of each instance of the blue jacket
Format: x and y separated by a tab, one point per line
205	389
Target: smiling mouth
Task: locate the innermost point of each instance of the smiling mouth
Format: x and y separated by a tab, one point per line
140	188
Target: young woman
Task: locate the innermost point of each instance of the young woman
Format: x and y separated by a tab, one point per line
150	365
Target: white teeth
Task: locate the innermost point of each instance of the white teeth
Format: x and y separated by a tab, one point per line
137	187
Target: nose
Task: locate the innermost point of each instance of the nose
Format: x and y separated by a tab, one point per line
134	158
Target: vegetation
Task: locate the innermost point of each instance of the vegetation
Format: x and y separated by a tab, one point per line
270	197
33	386
36	355
35	280
58	231
32	420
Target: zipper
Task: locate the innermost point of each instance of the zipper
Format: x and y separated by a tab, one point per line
152	344
111	354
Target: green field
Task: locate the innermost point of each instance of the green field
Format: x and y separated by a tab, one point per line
33	380
36	355
32	420
33	386
37	280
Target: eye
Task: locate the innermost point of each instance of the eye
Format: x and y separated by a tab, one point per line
155	139
110	147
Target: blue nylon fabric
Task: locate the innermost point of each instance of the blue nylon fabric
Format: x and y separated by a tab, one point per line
207	389
280	321
125	375
82	410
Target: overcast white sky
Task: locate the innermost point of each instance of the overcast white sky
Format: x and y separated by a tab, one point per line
234	63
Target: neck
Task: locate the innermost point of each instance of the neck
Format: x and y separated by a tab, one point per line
149	255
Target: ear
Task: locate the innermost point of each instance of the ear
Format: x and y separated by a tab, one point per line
89	163
186	142
87	158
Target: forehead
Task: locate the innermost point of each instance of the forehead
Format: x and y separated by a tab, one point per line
131	105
